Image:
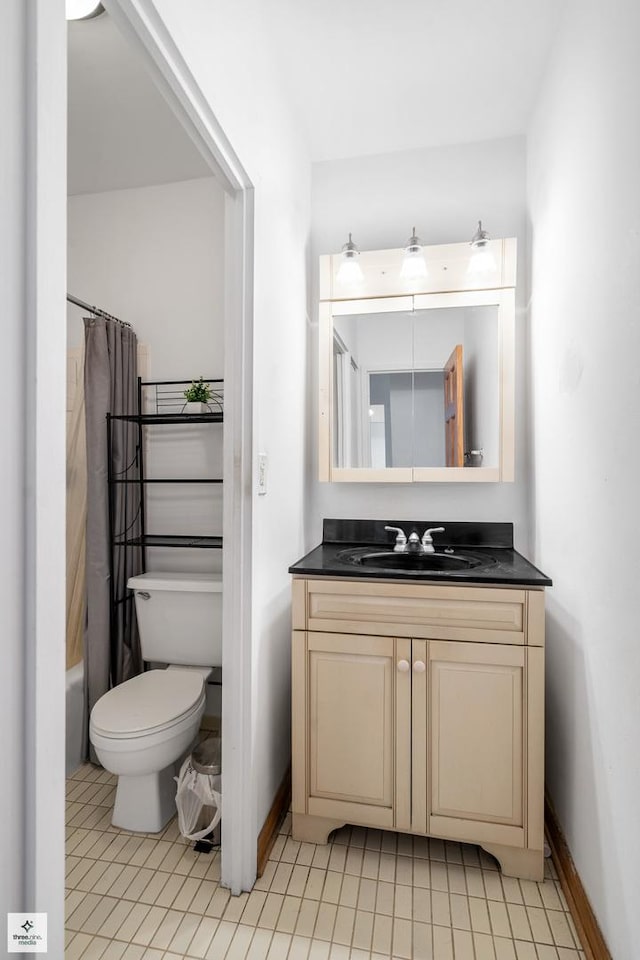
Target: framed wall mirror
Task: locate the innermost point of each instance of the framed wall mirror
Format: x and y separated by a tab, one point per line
419	386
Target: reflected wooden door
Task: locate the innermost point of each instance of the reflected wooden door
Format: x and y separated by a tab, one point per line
454	409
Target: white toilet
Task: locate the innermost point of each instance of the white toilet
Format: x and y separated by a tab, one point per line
140	728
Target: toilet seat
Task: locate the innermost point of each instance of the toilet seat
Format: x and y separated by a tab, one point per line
148	704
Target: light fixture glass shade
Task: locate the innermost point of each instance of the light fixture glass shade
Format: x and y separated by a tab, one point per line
482	260
83	9
350	271
414	266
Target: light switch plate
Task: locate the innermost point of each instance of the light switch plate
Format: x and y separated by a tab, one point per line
262	474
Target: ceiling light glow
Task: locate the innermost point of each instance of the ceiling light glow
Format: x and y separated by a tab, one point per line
83	9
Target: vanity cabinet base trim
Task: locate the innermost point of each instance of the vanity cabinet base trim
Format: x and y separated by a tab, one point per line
523	864
307	829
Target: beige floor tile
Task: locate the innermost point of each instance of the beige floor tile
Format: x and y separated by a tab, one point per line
525	950
370	864
367	893
463	945
499	919
134	920
113	924
402	941
279	946
271	910
403	902
343	929
81	911
460	917
547	952
325	921
277	848
299	949
404	870
386	868
479	915
353	864
422	905
385	898
439	876
539	925
562	935
288	917
167	929
315	884
260	944
235	908
77	946
305	854
332	886
96	949
253	907
382	933
298	880
349	891
203	937
442	943
291	850
307	917
218	903
422	941
457	878
147	929
221	940
362	930
440	912
240	943
484	948
319	950
519	922
505	949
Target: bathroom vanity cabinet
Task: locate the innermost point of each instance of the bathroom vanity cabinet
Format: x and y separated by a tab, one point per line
419	707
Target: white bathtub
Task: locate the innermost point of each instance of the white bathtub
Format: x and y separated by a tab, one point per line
74	717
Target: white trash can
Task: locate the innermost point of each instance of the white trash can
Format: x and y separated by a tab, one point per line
199	795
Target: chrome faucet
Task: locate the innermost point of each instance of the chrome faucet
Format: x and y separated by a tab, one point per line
414	544
401	539
427	539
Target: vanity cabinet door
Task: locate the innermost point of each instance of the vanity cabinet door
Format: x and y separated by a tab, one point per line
476	701
353	713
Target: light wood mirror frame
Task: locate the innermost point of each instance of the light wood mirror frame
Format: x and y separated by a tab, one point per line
448	283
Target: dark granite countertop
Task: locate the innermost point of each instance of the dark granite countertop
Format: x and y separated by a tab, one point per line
490	541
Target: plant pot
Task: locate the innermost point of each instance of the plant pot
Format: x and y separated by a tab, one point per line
195	406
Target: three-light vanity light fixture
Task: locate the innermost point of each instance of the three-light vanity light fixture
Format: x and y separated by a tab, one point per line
414	265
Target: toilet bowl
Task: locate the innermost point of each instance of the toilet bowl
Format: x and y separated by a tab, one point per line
139	730
142	727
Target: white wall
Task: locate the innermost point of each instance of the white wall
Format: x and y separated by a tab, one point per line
443	191
584	204
154	256
226	48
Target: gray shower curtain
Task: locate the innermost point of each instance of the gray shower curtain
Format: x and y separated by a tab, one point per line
112	647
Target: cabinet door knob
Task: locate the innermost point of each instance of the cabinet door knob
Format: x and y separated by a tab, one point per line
403	666
419	666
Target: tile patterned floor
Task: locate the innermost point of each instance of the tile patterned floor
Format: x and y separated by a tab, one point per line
368	895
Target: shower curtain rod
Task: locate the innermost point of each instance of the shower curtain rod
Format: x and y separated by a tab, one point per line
95	310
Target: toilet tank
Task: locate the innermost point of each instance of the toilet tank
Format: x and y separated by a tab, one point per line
179	617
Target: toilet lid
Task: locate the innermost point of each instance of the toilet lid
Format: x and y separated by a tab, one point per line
147	702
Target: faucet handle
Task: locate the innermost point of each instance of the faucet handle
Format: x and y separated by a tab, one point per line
401	539
427	539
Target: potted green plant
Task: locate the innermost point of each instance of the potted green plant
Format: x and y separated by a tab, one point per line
197	397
